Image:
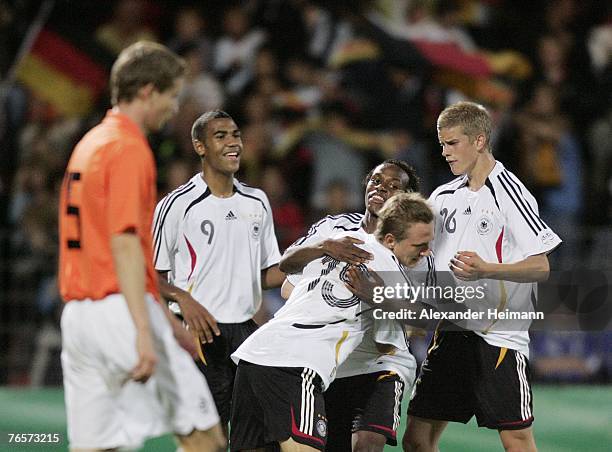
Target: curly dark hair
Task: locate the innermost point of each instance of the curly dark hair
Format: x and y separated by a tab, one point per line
414	182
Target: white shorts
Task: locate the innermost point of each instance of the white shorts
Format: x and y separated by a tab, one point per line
107	410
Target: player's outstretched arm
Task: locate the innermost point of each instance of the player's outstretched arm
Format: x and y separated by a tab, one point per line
272	277
469	266
344	249
130	266
200	322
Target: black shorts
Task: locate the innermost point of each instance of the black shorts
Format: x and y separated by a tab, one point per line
464	376
218	367
273	404
369	402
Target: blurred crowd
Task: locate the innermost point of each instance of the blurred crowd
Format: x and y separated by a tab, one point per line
323	91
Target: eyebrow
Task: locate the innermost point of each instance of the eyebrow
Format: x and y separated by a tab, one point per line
391	178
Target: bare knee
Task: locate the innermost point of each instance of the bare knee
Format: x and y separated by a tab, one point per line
364	441
291	445
518	440
411	443
212	439
422	435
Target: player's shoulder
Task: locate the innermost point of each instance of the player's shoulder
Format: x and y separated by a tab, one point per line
448	188
503	177
251	193
507	187
343	222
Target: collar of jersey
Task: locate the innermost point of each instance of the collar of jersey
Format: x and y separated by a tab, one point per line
200	182
125	122
498	168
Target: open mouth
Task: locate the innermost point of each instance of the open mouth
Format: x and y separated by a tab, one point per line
232	155
376	198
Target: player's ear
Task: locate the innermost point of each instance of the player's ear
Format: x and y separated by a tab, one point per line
199	147
144	92
389	241
481	142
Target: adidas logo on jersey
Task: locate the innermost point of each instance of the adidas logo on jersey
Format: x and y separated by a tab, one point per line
467	211
231	216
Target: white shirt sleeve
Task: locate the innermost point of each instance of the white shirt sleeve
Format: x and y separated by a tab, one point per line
165	233
270	254
524	226
321	230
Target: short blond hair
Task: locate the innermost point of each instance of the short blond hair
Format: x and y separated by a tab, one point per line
140	64
399	213
472	117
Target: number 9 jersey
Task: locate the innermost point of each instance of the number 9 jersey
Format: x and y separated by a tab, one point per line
215	248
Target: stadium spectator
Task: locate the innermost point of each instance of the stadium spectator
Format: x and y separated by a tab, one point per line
236	50
125	27
190	28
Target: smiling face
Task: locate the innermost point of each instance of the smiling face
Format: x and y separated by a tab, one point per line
459	150
385	181
414	245
222	146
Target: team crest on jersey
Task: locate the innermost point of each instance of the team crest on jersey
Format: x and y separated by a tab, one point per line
484	225
255	229
322	428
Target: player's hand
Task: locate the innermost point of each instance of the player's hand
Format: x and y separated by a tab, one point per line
147	359
468	266
200	322
362	284
345	250
184	338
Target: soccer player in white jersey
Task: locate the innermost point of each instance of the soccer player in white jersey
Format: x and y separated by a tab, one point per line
215	250
286	365
487	231
370	415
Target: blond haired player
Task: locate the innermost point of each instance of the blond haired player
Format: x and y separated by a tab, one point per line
488	233
126	378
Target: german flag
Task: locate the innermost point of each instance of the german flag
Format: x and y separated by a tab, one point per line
64	74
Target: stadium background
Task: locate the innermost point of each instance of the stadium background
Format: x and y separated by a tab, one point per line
322	90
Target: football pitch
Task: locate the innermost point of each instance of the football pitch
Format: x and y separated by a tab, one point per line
568	419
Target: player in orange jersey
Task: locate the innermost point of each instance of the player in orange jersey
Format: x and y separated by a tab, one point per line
126	378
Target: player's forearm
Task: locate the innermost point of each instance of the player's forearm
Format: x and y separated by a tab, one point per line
297	257
531	269
167	290
272	277
130	268
286	289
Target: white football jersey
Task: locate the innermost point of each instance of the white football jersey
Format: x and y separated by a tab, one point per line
215	248
322	321
366	358
501	223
